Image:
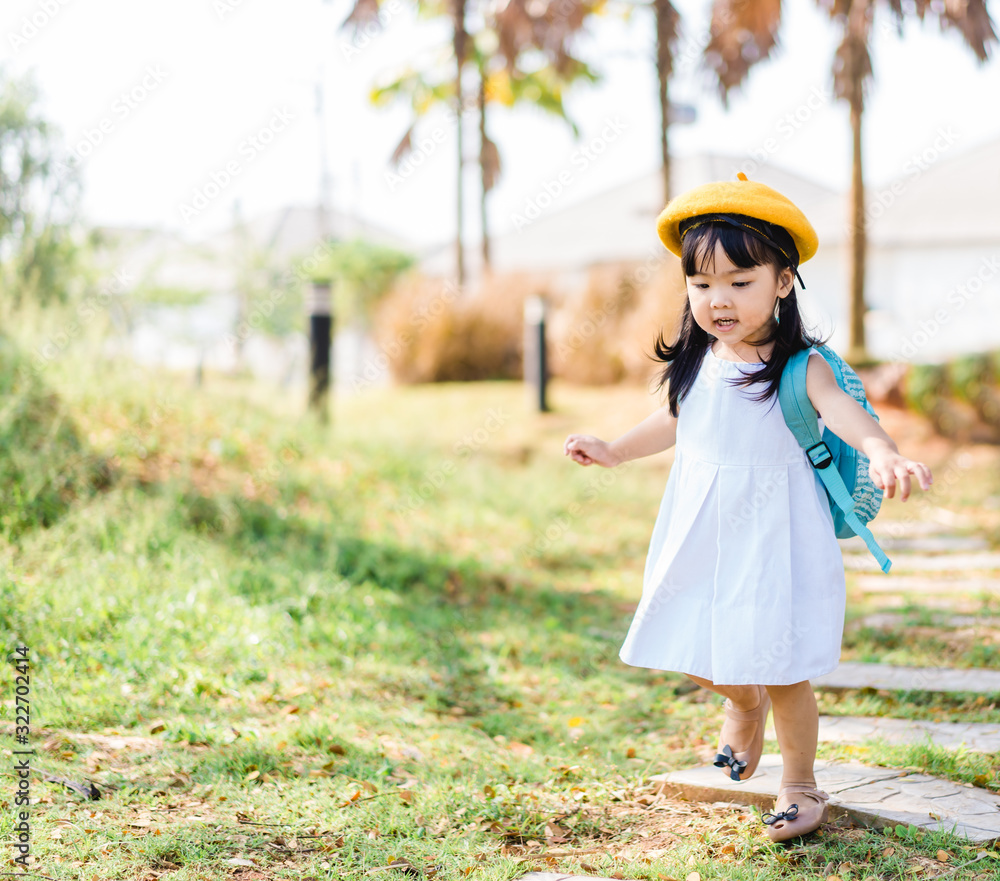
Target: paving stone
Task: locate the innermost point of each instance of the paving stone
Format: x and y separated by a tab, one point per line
971	604
886	528
874	797
986	560
893	583
551	876
560	876
890	620
976	736
852	674
926	544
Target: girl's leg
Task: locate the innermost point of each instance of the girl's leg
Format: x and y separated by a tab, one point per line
796	723
741	740
744	697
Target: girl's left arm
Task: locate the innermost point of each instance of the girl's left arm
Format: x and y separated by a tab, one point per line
847	419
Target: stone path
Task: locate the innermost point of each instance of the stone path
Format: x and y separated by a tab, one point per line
939	564
951	573
926	544
851	674
985	560
874	797
943	526
977	736
893	620
923	584
557	876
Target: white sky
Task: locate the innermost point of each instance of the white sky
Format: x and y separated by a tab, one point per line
219	76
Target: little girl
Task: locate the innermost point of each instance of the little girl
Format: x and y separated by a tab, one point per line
743	588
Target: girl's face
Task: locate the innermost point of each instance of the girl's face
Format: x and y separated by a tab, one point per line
736	305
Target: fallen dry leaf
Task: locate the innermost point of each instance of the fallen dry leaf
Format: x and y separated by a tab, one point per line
555	834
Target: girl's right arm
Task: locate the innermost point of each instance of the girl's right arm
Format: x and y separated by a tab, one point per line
654	434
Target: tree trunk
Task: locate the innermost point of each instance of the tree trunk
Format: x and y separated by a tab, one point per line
663	68
459	43
483	169
858	68
858	351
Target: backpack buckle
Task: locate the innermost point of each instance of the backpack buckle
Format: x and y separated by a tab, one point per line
820	455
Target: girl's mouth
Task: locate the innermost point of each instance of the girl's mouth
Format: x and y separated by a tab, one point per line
725	323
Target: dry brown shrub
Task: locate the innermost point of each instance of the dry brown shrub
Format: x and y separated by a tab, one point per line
659	304
432	332
606	335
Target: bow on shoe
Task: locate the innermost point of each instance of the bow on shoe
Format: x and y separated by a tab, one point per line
790	814
725	758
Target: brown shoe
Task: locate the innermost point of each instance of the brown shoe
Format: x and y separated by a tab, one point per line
741	740
805	814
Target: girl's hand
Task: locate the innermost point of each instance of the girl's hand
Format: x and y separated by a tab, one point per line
888	467
589	450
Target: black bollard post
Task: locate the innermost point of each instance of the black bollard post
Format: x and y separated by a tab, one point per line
535	360
320	343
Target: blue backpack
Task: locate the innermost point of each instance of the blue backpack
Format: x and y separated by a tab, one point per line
854	498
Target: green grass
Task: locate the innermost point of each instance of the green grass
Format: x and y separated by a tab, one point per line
325	649
961	765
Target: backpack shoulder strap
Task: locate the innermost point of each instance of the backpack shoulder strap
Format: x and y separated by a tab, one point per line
801	419
800	414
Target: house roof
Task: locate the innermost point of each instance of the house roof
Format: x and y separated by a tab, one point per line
620	224
938	198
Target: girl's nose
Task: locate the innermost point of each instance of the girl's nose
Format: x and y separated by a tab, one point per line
720	299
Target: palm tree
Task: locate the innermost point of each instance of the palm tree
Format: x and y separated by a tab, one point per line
366	12
499	83
743	33
521	53
667	27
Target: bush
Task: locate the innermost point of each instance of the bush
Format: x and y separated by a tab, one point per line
607	334
44	464
431	332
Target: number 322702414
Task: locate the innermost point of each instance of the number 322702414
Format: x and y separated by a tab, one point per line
22	691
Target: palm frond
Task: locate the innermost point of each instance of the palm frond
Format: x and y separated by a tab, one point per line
668	22
852	64
545	25
403	148
489	162
972	20
742	33
364	12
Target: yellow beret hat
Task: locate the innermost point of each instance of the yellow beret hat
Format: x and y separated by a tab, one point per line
741	196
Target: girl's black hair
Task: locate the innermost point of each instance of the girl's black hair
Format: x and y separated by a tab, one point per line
683	358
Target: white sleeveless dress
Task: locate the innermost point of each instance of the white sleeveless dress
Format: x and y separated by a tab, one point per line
744	580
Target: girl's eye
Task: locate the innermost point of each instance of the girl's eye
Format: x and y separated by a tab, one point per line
740	284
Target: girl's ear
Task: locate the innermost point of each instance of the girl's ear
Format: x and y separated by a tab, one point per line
786	279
